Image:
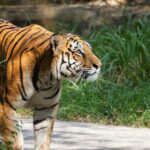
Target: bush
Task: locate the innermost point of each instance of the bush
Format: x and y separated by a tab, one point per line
121	95
125	52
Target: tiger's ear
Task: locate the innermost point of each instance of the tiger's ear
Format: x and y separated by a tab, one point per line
56	40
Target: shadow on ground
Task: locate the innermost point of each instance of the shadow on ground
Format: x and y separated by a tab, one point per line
80	136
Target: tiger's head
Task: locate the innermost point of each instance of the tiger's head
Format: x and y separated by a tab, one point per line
73	58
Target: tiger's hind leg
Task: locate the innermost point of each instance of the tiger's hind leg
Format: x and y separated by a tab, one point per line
10	128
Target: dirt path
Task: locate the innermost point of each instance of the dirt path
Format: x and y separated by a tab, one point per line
80	136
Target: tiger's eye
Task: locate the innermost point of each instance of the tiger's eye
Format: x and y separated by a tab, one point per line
78	52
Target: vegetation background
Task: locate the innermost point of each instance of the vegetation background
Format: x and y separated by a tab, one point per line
120	36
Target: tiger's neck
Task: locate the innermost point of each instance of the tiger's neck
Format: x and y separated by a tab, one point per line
43	77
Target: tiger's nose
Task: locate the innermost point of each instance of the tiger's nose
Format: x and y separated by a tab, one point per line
97	65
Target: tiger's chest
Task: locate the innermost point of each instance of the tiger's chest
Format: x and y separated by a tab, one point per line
48	94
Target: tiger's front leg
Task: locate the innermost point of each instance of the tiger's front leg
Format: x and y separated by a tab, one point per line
43	125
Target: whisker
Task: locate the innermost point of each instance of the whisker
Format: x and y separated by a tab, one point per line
78	76
87	69
81	78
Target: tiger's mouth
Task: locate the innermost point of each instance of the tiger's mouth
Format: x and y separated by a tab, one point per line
88	74
91	75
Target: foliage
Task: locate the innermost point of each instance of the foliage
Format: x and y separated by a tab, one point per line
121	95
125	52
108	103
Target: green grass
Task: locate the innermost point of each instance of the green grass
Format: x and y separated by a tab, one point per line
107	103
125	52
121	95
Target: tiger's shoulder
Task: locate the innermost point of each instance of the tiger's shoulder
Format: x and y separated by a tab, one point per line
16	40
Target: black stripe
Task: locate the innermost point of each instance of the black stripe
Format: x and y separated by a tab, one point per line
74	58
16	41
31	41
57	71
68	68
21	75
8	38
22	95
35	76
5	25
62	60
44	42
38	121
10	105
68	55
49	97
14	46
75	40
3	47
70	49
37	37
40	44
1	91
26	40
47	107
13	40
1	101
41	120
7	29
65	75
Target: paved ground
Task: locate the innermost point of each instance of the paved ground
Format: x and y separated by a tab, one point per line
80	136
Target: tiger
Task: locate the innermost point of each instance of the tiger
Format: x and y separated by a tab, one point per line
33	64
